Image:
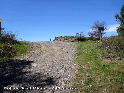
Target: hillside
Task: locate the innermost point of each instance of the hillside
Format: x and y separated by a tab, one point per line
97	74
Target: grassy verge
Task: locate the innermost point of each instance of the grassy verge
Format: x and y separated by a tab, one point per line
95	75
22	48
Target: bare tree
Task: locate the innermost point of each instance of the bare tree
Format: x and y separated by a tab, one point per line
77	34
98	29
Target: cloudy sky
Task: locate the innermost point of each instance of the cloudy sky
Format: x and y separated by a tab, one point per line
40	20
112	28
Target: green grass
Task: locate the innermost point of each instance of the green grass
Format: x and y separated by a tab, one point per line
95	75
17	50
22	48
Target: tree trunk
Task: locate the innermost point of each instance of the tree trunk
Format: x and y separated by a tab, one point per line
0	27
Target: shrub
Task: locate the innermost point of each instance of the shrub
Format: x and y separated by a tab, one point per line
87	39
92	38
81	39
114	46
7	52
10	47
8	38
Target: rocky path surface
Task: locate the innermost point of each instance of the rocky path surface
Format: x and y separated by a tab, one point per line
48	68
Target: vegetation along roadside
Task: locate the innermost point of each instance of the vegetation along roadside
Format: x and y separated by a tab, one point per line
100	70
11	48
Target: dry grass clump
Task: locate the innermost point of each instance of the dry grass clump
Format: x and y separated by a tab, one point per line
114	47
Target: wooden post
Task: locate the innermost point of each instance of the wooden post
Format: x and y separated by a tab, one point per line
0	28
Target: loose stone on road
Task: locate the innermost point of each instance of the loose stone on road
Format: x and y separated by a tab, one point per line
49	65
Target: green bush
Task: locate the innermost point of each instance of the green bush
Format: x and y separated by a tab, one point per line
8	38
114	46
10	47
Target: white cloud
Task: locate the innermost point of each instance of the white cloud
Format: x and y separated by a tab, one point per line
112	28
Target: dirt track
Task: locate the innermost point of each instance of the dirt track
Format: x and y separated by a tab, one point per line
49	65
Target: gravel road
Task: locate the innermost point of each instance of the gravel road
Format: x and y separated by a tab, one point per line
48	68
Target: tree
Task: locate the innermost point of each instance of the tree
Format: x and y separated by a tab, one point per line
98	29
120	18
79	34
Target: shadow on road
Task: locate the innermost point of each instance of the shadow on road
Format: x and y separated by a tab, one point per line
13	73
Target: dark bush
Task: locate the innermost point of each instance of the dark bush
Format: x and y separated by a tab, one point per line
92	38
81	39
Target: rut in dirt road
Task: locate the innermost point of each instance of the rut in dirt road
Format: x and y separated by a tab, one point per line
49	65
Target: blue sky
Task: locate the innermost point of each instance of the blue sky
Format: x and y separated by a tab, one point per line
40	20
